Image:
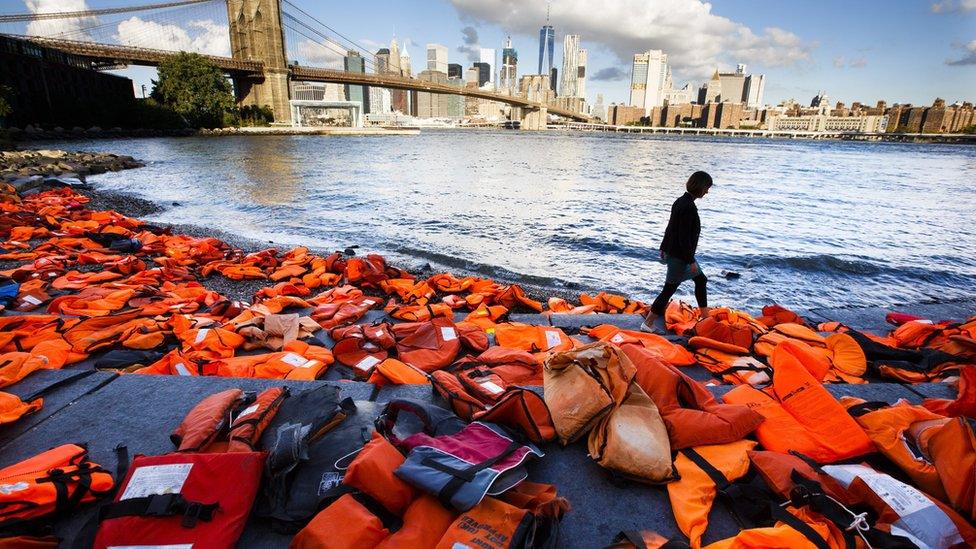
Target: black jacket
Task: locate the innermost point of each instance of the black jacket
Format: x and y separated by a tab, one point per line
681	236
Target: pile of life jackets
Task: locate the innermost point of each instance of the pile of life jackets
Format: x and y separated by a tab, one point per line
796	466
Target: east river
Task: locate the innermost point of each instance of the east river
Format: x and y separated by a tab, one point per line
805	223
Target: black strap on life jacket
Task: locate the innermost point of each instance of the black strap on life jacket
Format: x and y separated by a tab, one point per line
863	408
793	522
462	476
161	505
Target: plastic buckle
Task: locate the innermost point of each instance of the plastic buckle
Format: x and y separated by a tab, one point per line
161	504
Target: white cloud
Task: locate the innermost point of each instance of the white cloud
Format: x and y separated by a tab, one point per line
969	55
858	63
203	36
947	6
695	39
65	28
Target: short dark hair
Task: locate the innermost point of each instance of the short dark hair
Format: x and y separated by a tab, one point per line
698	183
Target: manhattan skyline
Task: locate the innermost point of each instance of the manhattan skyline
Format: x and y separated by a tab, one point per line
864	51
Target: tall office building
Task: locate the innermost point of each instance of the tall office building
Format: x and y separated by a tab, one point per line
394	66
437	58
405	68
383	60
455	70
547	47
507	79
650	78
484	73
733	85
581	75
568	86
353	62
755	88
488	57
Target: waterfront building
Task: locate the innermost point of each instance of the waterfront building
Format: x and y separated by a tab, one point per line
353	62
508	78
471	77
938	118
569	85
455	103
711	90
308	91
623	115
679	96
455	70
432	105
823	122
650	79
733	85
755	88
380	101
599	110
487	56
437	58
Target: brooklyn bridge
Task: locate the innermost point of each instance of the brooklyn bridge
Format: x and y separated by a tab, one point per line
259	63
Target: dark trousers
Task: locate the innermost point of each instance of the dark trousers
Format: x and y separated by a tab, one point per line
701	294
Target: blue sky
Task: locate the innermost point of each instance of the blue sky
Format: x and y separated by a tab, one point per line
901	51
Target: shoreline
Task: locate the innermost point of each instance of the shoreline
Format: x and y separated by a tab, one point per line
34	135
422	263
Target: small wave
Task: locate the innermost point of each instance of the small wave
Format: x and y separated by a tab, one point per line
601	246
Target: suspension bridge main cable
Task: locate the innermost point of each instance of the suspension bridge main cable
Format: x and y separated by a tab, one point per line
329	42
337	33
27	17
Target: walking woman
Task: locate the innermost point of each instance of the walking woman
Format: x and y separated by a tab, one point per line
678	250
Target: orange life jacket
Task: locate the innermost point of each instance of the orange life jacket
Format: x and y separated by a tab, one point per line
690	412
801	415
672	353
13	408
362	347
434	344
704	471
487	389
532	338
680	317
395	372
53	482
775	314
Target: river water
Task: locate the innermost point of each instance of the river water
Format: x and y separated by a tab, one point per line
805	223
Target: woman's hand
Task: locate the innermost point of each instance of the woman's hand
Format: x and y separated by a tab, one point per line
694	268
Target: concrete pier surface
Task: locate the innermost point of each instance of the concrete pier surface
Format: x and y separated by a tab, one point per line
104	410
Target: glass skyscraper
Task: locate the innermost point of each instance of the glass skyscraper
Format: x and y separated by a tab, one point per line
547	39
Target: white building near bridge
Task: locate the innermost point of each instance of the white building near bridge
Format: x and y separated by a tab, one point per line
823	123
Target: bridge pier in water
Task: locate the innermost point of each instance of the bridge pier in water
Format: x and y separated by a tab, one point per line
531	119
256	34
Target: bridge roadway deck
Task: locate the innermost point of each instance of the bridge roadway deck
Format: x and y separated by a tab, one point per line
119	54
103	410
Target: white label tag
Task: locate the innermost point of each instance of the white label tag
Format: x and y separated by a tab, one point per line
7	489
181	369
552	339
491	387
379	333
617	338
329	481
249	410
157	479
308	364
902	498
369	302
448	333
367	363
32	300
201	334
292	359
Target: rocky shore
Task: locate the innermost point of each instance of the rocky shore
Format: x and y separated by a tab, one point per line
23	168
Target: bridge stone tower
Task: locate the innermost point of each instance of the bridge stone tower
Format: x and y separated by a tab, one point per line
256	34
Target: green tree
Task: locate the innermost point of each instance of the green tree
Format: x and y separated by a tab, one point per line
194	88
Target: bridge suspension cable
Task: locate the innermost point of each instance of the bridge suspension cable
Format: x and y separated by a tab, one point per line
348	40
27	17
